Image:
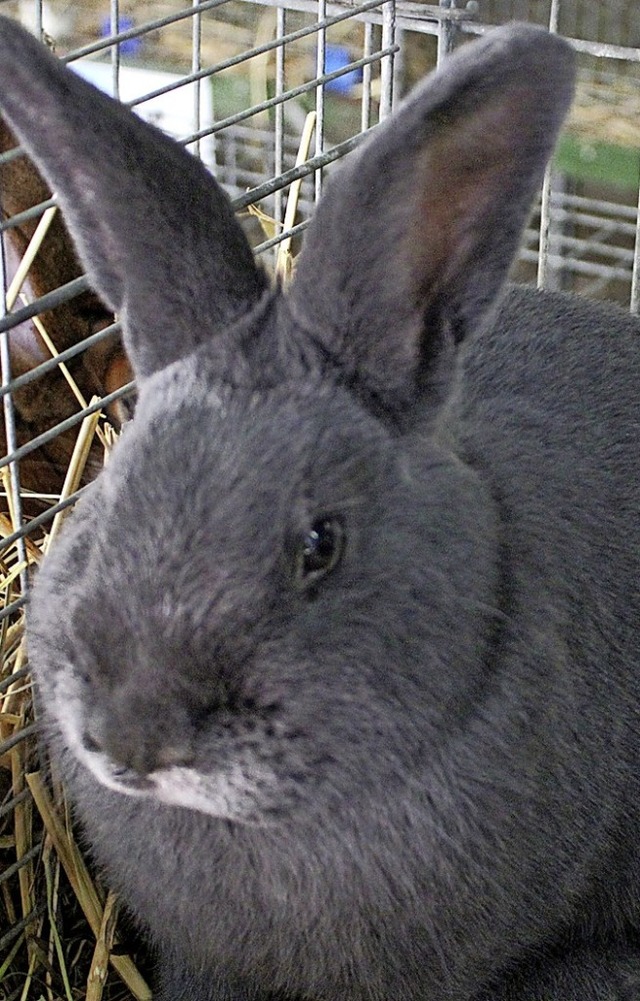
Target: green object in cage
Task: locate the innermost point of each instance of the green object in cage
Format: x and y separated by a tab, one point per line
592	160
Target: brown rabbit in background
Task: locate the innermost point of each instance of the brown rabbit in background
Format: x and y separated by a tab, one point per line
99	370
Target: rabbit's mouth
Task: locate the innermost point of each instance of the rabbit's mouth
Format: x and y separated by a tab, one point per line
241	791
243	786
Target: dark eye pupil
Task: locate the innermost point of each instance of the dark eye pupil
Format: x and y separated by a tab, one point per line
321	548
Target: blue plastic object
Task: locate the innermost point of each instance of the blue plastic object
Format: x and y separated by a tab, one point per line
131	46
337	56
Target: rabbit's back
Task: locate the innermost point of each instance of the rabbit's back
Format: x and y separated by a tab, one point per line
549	411
560	351
549	406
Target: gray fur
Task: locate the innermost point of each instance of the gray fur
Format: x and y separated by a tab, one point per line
412	775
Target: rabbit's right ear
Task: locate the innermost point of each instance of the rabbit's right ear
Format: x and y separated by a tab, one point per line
414	236
155	231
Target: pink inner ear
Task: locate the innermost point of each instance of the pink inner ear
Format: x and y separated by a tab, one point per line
473	164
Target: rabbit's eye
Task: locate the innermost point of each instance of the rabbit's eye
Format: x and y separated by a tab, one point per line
319	550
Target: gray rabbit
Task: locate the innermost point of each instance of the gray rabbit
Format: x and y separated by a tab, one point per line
340	655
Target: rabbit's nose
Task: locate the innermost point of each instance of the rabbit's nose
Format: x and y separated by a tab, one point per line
136	752
146	758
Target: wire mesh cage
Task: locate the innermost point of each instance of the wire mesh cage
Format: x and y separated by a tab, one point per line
594	195
270	96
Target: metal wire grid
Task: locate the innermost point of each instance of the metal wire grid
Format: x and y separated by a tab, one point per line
385	29
590	232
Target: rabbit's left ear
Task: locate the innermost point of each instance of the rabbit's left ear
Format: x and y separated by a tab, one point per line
414	237
157	234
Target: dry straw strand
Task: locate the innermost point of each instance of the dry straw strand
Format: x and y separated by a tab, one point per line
284	262
104	944
77	464
51	907
82	884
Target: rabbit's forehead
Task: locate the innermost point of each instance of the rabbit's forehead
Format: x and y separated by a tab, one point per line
305	421
245	463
